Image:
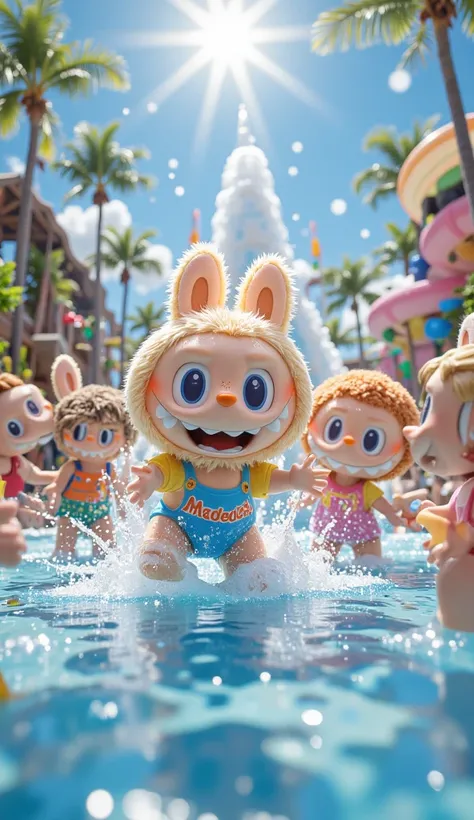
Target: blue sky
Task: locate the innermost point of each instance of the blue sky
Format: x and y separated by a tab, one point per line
354	94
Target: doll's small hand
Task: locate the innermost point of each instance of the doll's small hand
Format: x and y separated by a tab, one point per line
147	479
425	505
455	546
307	479
54	498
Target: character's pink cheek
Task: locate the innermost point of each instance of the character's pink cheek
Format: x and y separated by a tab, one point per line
67	436
396	448
154	387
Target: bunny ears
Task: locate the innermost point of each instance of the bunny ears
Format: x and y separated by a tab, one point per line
201	282
65	376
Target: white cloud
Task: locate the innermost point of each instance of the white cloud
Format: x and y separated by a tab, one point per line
16	165
81	227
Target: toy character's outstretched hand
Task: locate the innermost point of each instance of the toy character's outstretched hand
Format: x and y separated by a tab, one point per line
148	479
459	542
306	478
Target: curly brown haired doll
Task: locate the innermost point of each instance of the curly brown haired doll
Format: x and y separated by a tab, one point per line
356	431
92	427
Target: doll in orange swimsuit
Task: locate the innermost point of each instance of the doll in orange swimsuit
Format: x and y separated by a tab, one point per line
92	427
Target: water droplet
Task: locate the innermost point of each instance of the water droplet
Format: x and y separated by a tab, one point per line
293	171
312	717
338	207
100	804
152	107
436	780
297	147
179	190
399	81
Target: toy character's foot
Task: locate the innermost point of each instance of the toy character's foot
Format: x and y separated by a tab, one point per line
161	563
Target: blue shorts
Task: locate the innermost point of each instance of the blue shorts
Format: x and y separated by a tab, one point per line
213	520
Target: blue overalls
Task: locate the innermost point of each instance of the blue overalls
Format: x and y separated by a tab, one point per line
213	519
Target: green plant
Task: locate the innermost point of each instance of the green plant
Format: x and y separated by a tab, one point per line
98	164
10	295
130	253
63	289
6	362
366	22
380	179
35	60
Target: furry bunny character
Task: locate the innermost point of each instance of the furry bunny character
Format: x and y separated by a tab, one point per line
92	427
219	391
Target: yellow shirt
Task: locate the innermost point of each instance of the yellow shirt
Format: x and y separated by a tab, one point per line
173	475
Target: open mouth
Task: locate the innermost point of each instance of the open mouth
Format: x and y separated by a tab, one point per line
220	441
224	442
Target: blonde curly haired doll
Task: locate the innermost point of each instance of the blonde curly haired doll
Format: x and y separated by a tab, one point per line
219	392
356	431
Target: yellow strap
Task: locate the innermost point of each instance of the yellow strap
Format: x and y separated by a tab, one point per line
260	478
172	470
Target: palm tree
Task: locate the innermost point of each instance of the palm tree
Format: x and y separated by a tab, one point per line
339	337
399	248
147	319
99	164
352	283
130	253
380	180
365	22
34	61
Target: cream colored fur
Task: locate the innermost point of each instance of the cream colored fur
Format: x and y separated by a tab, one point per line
235	323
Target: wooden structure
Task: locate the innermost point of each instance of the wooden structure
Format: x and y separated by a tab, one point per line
45	334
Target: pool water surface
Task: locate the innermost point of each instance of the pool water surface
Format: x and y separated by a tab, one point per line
344	699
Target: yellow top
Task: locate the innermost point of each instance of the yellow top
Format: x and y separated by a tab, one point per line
3	484
173	475
371	494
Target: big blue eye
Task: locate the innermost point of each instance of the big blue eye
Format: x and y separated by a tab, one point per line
258	390
426	409
373	441
15	428
32	407
80	432
333	430
191	384
106	437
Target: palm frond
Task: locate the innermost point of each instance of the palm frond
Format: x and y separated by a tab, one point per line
419	44
80	67
466	9
364	23
10	112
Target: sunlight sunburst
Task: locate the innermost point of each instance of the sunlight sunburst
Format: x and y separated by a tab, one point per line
227	37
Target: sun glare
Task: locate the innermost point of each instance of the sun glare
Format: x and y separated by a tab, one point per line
226	37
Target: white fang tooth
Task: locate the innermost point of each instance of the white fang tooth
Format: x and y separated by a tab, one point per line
254	432
284	414
234	433
351	469
169	422
189	426
209	432
333	463
274	426
161	412
372	470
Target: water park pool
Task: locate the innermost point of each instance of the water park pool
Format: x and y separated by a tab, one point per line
340	699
